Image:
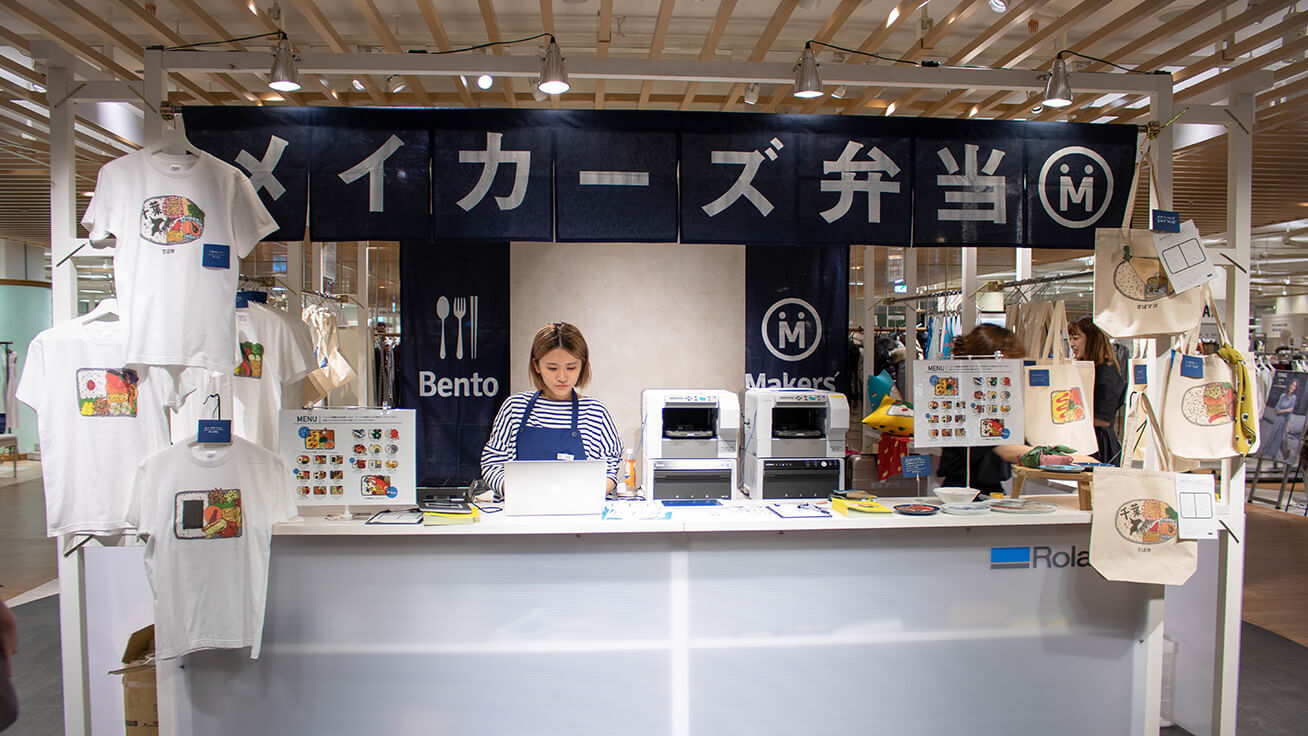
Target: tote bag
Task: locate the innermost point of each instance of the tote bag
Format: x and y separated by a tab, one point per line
1058	394
1133	297
1134	525
1134	423
1200	405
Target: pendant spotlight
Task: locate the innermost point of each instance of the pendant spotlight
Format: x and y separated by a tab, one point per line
751	93
284	77
808	83
1058	93
839	92
395	84
553	76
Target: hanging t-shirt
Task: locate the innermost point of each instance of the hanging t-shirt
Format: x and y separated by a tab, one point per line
209	512
96	421
181	223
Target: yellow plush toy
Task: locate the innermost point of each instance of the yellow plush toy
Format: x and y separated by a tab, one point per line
893	417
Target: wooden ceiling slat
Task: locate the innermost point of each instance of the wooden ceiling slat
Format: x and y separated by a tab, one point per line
493	34
167	35
834	23
315	17
221	33
437	30
75	45
331	95
656	43
370	14
710	47
603	39
784	10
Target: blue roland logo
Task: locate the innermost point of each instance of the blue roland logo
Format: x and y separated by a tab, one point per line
1002	558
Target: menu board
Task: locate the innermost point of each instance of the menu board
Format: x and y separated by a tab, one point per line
960	403
350	457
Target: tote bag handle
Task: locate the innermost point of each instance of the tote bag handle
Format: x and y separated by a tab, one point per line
1164	452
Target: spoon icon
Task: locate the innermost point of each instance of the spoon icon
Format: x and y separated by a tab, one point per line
442	311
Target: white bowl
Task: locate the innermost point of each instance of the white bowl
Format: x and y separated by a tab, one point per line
954	494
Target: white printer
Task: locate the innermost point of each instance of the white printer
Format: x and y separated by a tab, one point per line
689	442
794	443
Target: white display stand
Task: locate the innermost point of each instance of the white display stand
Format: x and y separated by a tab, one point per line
759	568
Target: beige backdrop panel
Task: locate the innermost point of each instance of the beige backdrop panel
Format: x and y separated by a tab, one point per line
654	315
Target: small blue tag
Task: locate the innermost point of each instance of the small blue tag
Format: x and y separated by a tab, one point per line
216	256
1192	366
1039	377
1165	221
916	466
214	431
241	301
1141	374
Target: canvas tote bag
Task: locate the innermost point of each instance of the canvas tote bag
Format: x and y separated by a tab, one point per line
1134	423
1058	393
1134	524
1133	297
1199	399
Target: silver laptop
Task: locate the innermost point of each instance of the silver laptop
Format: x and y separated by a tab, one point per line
554	487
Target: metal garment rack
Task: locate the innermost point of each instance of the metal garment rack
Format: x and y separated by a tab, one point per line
990	286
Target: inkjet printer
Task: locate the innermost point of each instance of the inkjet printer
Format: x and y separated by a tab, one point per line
794	443
689	441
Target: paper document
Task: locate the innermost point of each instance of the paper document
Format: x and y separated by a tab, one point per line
1184	258
1197	507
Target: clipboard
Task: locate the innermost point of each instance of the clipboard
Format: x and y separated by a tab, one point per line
388	516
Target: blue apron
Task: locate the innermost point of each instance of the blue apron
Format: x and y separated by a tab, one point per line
543	443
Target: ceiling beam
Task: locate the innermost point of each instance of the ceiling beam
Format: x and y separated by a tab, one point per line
656	43
784	10
269	25
493	34
370	14
710	47
327	33
437	30
603	38
825	34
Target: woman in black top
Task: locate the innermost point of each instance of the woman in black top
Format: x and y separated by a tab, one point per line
990	465
1090	343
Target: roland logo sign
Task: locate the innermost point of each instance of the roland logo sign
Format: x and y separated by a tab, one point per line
1025	558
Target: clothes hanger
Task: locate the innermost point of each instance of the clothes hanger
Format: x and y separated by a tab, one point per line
106	311
173	142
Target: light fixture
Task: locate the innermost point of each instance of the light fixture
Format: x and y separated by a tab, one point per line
808	83
553	77
998	6
751	93
536	94
284	77
1058	93
839	92
890	109
356	84
395	84
485	81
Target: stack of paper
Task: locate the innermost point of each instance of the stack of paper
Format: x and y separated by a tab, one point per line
466	515
850	507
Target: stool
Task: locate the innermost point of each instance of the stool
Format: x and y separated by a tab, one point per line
11	441
1084	482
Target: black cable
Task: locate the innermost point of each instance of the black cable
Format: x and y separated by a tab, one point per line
865	53
495	43
1106	61
279	34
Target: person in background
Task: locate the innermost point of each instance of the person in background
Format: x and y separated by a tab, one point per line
993	464
8	646
554	422
1274	446
1090	343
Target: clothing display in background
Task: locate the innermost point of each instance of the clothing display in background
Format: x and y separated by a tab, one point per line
96	420
208	512
333	370
272	357
384	370
1283	419
10	385
181	223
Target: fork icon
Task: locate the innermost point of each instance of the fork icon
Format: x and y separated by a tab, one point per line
460	309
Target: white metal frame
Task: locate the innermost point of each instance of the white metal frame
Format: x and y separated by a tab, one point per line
1238	115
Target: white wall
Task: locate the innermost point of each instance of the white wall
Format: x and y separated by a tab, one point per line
654	316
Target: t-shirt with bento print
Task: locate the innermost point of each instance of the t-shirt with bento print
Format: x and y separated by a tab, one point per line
181	223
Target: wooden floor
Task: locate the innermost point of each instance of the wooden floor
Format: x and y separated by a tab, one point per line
1276	571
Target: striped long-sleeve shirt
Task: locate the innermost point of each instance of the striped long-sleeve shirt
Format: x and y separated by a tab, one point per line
599	435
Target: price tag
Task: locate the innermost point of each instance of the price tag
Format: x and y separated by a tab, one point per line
214	431
1141	374
1165	221
216	256
916	466
1039	377
1192	366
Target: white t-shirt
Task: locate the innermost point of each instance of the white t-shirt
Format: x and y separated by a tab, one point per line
96	421
165	210
209	511
272	356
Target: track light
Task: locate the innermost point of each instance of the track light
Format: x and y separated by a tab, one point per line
536	94
808	83
395	84
751	93
553	77
839	92
357	85
998	6
1057	91
283	77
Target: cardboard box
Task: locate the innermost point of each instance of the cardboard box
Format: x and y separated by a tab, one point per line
140	695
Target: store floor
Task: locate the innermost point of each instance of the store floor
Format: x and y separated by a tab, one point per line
1274	651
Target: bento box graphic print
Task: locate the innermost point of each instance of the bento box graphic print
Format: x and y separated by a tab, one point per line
171	220
1209	405
251	360
1147	521
106	392
214	514
1066	406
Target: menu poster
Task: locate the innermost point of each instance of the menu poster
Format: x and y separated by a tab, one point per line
962	403
350	457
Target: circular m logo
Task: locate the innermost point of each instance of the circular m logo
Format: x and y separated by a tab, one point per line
792	329
1081	184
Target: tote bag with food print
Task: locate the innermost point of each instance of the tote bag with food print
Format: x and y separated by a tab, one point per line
1058	393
